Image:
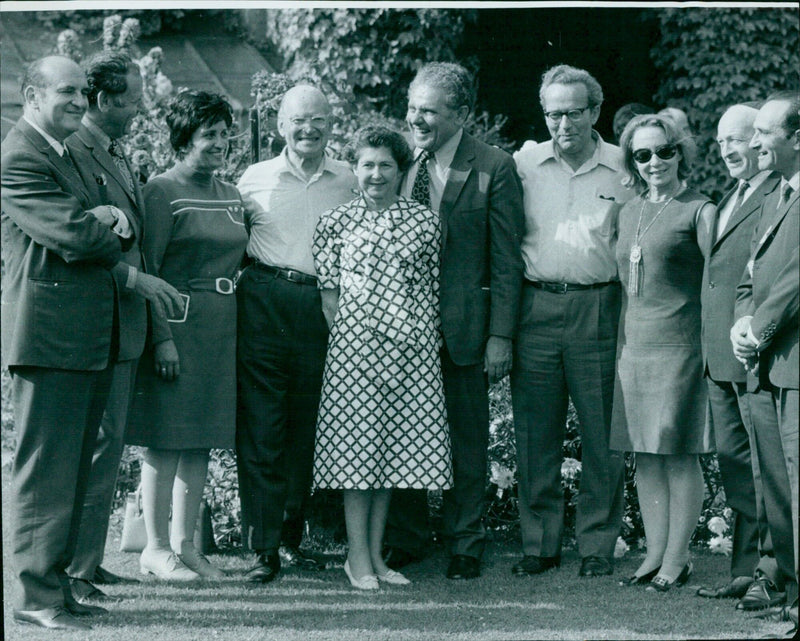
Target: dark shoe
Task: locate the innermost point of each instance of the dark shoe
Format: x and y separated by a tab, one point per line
83	609
86	593
293	557
535	565
397	558
660	584
595	566
640	580
52	618
761	594
266	569
106	577
736	588
463	567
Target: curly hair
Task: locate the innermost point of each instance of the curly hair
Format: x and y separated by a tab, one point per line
191	109
452	78
374	136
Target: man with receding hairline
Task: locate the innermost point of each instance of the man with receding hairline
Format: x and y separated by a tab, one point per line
282	335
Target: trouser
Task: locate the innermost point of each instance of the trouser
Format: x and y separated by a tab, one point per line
733	433
57	414
566	347
91	543
463	506
282	341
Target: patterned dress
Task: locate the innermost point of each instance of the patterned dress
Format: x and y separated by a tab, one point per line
194	238
382	420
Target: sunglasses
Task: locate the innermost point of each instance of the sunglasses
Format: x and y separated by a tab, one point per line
665	152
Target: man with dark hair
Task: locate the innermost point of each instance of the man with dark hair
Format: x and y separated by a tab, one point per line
114	98
477	194
765	336
625	113
58	335
566	346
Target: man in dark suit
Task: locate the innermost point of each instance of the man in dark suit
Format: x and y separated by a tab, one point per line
115	92
57	328
475	189
765	336
737	215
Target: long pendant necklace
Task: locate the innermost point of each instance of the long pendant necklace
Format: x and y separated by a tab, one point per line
636	248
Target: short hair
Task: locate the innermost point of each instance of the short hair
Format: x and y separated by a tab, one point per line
452	78
191	109
375	136
108	71
673	134
791	121
567	75
624	114
33	75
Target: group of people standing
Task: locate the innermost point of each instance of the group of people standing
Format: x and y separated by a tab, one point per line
339	323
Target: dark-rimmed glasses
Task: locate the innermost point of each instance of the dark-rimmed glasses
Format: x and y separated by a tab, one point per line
665	152
573	114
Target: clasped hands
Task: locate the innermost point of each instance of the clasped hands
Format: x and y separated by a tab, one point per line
745	345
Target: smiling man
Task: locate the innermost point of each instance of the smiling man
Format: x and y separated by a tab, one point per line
282	335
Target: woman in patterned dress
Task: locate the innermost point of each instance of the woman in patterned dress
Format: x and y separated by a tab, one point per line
659	409
185	396
381	420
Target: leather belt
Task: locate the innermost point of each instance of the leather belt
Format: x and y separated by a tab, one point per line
291	275
563	288
220	285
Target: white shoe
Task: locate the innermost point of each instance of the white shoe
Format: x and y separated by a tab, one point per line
166	565
393	577
366	582
198	563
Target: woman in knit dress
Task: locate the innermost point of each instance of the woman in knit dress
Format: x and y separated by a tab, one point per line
185	397
381	420
659	398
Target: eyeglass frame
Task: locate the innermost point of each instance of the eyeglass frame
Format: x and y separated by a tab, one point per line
670	148
549	115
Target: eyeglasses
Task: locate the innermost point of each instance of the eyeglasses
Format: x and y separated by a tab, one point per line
318	122
573	114
665	152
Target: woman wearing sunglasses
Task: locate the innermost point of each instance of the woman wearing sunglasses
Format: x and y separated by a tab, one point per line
659	397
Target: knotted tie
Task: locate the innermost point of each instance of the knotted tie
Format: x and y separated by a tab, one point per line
737	203
119	160
787	193
421	190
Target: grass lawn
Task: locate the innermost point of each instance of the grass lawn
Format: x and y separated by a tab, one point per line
316	606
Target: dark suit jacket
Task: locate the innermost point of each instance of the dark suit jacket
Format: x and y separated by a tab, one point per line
481	268
58	294
106	186
771	293
724	264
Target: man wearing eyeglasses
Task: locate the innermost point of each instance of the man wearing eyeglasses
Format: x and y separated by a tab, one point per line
566	342
282	335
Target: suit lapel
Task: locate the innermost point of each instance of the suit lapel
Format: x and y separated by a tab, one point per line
104	159
749	206
777	218
460	169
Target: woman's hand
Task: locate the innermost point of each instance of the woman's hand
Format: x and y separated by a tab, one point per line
167	361
330	305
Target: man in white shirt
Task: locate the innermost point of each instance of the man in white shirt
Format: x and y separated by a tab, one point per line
282	335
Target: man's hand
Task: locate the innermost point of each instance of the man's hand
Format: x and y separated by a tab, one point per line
167	363
497	362
164	298
744	347
105	214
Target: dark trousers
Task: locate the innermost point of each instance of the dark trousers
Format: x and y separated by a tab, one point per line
566	347
281	346
466	398
57	414
733	432
775	449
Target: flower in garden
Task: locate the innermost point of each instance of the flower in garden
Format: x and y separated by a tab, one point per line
620	548
163	85
502	477
570	468
717	525
727	514
720	545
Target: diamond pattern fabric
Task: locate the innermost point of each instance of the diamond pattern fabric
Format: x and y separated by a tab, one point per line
382	419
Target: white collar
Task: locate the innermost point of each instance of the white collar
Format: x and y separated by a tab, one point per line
55	144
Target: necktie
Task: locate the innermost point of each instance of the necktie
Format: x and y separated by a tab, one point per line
421	190
737	203
787	193
119	160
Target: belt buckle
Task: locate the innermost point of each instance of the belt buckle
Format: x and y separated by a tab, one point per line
224	285
556	288
293	276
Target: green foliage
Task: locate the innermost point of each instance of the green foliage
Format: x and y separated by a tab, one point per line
151	21
709	59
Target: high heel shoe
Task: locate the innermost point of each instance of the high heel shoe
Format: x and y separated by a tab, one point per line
640	580
660	584
393	577
366	582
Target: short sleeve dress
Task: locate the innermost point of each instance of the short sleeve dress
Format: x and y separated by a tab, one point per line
660	395
194	238
382	418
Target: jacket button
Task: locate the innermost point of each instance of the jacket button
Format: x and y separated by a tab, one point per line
712	285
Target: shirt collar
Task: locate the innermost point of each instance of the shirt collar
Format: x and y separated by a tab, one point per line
794	182
326	166
444	155
755	180
604	154
101	136
55	144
